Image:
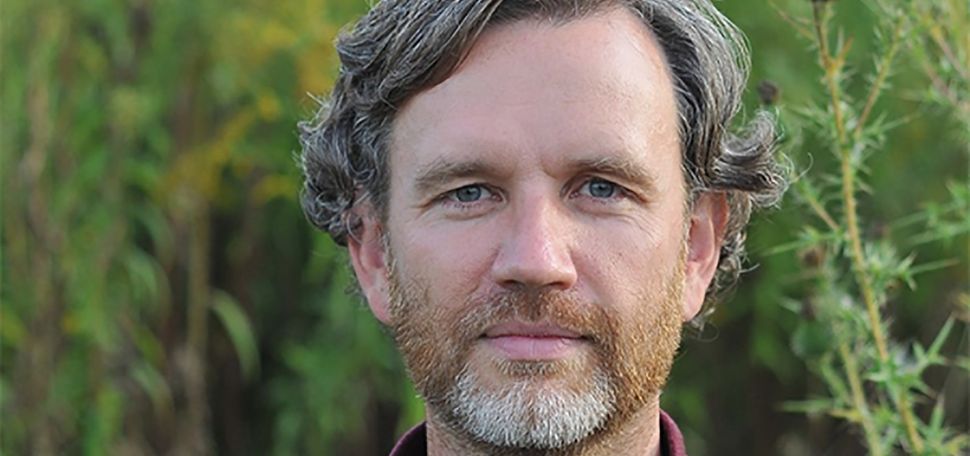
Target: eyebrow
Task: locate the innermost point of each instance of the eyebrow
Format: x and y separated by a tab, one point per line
440	172
620	167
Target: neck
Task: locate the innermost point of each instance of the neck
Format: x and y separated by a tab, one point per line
638	434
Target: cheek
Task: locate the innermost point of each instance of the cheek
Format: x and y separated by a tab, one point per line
634	256
452	263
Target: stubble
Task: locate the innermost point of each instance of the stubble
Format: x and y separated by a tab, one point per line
536	407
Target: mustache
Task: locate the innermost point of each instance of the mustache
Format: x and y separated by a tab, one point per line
560	308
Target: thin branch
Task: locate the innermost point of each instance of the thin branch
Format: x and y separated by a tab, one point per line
934	31
816	206
859	400
859	261
802	27
830	67
882	72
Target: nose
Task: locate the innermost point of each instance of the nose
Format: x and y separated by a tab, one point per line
536	249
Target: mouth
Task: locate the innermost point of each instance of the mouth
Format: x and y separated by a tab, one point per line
519	341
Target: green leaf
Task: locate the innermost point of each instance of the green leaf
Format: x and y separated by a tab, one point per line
144	276
154	385
835	382
239	330
941	336
816	406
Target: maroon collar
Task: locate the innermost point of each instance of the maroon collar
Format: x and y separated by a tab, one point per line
671	440
415	441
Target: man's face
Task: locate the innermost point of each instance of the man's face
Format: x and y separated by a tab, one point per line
538	258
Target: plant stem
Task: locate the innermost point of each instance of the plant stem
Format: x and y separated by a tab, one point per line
816	206
858	256
859	263
882	73
934	30
859	400
830	67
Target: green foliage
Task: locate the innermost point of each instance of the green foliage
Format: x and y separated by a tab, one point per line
240	331
871	381
160	291
147	164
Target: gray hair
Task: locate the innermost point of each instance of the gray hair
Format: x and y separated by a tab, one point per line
402	47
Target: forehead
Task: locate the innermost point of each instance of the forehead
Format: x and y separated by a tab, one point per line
600	80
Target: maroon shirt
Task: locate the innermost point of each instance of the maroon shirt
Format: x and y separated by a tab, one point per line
415	442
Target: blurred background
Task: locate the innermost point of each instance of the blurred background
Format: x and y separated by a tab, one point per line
163	294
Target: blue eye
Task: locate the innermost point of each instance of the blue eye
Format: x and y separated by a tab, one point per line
599	188
469	193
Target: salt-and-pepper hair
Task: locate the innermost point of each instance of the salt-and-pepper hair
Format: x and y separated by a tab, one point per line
402	47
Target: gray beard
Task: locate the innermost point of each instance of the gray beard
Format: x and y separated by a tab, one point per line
528	412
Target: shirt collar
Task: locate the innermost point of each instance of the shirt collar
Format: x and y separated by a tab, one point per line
415	441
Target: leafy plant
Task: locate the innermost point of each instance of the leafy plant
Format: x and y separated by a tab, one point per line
872	380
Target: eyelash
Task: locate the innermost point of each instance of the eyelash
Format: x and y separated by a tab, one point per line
451	197
619	191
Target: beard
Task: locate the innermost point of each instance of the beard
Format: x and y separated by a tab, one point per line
561	406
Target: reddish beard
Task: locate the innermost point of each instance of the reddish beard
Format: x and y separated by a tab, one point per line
635	353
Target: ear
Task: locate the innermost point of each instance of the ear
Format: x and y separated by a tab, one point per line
368	259
708	221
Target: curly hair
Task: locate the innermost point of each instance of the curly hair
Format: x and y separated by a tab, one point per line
402	47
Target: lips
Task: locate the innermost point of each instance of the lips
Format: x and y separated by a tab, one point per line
537	330
532	341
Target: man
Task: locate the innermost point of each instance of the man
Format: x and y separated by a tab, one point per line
536	195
